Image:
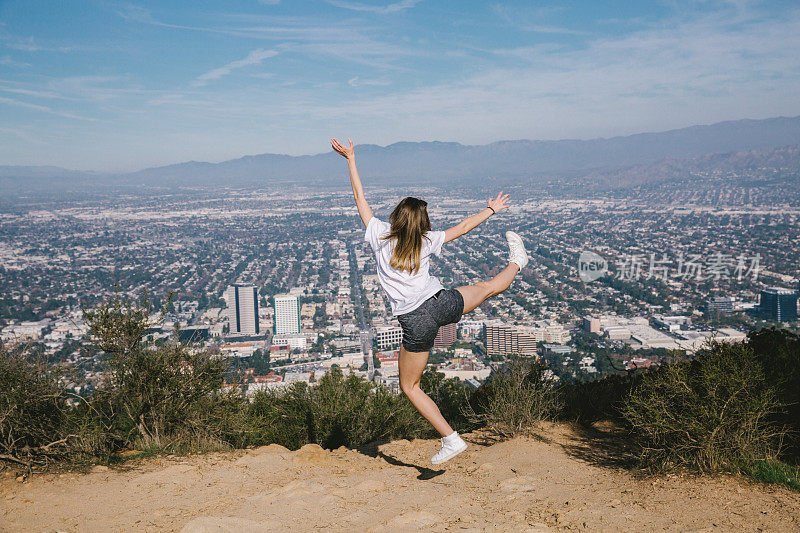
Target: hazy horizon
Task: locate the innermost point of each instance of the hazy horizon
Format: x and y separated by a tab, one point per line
243	155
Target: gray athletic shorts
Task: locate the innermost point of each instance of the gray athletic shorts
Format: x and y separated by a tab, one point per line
421	325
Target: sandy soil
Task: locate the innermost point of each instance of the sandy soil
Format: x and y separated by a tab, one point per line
574	481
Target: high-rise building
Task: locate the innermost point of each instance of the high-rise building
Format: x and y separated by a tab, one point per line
500	339
527	341
446	336
591	324
287	314
504	339
242	309
778	304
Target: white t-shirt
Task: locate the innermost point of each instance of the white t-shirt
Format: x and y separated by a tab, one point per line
406	291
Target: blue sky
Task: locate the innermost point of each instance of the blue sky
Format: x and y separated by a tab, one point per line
114	85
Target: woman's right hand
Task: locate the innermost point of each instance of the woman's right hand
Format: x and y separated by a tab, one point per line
499	203
345	151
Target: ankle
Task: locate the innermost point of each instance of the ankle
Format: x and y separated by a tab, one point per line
451	437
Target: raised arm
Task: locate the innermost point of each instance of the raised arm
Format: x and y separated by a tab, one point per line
349	153
468	224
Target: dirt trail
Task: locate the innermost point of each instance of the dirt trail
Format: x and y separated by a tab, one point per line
567	483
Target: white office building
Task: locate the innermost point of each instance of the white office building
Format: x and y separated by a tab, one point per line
287	315
388	336
293	342
242	311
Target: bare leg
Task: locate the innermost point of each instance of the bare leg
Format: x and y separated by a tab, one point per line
411	366
475	295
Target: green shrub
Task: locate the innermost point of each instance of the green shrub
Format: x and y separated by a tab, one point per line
337	411
772	471
352	412
713	412
602	399
33	419
516	400
281	417
778	352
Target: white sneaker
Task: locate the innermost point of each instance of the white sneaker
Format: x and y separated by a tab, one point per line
451	446
516	250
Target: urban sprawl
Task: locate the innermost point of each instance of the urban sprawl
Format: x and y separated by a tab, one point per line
283	284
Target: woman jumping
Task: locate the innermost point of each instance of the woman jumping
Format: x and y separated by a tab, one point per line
419	301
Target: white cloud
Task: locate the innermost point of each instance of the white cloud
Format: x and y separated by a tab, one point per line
96	88
29	44
391	8
44	109
358	82
7	61
30	92
343	40
253	58
135	13
532	19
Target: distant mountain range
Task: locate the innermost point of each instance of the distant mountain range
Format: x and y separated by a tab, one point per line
778	165
444	162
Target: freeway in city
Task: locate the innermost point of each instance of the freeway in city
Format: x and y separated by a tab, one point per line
365	329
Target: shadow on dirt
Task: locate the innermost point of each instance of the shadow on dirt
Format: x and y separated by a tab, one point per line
601	445
425	473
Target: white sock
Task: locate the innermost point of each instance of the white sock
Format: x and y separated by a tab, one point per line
450	438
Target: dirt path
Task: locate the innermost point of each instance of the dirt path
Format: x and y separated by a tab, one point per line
519	485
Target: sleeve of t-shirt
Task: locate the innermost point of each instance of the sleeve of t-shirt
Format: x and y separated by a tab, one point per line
437	240
375	228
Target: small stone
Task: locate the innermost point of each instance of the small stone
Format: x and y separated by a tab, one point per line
21	479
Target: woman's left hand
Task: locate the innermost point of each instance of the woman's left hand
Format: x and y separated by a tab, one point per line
499	203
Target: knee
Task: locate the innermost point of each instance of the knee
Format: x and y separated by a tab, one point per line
487	287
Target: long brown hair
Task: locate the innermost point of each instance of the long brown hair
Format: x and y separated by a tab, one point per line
409	223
